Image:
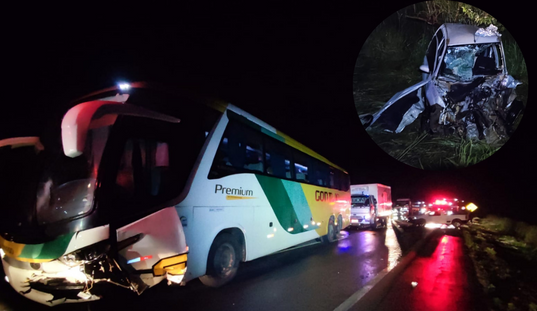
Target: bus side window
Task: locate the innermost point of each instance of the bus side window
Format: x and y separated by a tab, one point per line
301	166
240	150
254	151
277	159
331	178
320	174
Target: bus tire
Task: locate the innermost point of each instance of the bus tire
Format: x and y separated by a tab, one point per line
223	261
331	235
339	223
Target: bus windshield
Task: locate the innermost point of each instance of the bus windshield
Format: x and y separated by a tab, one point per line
45	186
67	185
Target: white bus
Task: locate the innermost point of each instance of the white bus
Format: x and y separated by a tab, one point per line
253	191
238	188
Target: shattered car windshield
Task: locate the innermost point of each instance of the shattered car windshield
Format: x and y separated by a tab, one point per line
466	62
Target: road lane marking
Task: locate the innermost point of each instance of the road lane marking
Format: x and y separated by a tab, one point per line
392	274
354	298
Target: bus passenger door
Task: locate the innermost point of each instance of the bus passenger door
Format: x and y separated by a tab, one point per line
138	196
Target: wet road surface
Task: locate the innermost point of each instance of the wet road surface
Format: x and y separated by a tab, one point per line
444	276
315	277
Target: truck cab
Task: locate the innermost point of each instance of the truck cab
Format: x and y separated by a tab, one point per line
362	210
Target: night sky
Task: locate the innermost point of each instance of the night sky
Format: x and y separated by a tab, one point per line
289	66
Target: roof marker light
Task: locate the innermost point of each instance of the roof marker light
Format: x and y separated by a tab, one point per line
124	86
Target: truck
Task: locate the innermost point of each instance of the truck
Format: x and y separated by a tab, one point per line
371	205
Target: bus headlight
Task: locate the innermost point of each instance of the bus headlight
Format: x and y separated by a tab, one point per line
71	260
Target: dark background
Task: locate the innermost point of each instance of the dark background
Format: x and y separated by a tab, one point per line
289	65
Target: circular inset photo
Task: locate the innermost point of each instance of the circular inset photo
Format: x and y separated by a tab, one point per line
440	85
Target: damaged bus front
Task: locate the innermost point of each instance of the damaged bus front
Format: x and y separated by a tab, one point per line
466	89
88	208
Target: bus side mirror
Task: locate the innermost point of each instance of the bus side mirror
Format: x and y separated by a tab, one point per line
94	114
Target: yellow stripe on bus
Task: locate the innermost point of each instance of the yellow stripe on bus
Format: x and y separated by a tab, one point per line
295	144
11	249
235	197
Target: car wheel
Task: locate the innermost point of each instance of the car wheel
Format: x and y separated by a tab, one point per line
331	235
456	223
223	261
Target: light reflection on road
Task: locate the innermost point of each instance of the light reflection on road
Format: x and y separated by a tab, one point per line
378	250
394	249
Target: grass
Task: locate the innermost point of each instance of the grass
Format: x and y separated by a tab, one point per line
515	234
516	64
504	261
425	151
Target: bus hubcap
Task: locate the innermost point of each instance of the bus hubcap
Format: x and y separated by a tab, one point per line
225	259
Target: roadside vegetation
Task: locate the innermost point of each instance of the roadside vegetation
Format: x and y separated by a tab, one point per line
504	253
389	63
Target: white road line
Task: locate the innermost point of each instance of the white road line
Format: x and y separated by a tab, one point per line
354	298
398	269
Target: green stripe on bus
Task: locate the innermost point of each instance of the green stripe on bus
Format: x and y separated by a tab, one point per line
299	202
272	134
49	250
280	202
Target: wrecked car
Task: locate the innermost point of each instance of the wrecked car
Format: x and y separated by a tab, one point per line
466	89
84	209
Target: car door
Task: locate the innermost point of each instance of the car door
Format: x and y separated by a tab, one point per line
401	110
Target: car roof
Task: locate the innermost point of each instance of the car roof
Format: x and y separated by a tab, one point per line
461	34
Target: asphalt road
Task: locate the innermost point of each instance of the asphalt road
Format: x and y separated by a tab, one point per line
441	277
314	277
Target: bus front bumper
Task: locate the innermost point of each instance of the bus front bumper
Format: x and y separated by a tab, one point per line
51	283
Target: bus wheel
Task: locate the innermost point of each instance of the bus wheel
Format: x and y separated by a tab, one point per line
331	236
339	223
223	261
